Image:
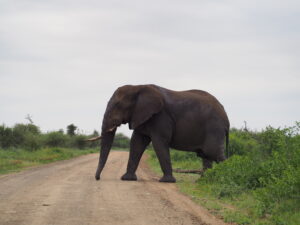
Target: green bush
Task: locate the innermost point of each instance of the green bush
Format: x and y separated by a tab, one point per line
32	142
265	164
281	180
242	143
121	141
272	139
6	137
27	128
235	175
55	139
78	141
21	135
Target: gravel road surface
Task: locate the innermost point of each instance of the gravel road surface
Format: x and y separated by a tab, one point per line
66	193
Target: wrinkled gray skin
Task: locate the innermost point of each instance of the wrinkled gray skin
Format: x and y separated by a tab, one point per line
191	121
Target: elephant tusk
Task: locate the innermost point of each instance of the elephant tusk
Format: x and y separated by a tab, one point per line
111	129
94	138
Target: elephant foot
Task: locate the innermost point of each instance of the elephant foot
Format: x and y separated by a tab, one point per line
129	176
168	179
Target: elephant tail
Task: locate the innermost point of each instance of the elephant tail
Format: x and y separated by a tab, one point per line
227	143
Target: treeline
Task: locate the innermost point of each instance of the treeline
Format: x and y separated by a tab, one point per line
30	137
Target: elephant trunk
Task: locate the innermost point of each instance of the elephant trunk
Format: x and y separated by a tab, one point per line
106	143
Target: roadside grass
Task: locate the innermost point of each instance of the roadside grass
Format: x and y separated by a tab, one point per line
239	208
13	160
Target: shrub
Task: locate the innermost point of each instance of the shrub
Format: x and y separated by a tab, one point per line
55	139
6	137
121	141
21	135
272	139
27	128
235	175
78	141
281	180
32	142
242	143
270	171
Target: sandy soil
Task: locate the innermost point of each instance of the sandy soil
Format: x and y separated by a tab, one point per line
66	193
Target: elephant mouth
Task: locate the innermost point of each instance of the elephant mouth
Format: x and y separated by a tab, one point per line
116	125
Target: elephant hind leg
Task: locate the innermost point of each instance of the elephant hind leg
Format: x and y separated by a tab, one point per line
214	148
207	164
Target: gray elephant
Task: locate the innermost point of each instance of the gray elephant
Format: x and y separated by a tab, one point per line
192	121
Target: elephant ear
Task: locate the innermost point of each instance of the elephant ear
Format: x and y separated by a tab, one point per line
149	102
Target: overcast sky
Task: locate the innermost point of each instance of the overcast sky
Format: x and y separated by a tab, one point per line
61	60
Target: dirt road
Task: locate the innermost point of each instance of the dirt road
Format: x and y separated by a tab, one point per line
66	193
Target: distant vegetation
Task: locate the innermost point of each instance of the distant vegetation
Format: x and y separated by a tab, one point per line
258	184
30	138
25	145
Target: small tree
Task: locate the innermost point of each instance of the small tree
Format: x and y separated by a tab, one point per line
71	129
95	133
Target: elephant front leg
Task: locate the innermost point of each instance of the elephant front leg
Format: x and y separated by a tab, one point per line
163	154
138	145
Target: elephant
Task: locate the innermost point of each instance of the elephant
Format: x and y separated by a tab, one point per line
191	120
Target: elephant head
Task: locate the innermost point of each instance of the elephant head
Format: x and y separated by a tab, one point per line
129	104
